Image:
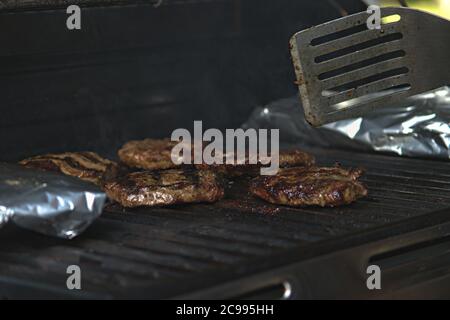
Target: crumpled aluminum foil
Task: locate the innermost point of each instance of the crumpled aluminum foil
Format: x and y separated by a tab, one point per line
48	203
419	127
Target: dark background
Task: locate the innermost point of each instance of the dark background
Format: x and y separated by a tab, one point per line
136	71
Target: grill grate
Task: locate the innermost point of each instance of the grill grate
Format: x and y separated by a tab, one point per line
144	251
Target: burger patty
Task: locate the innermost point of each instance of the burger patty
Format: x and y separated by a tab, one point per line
87	166
155	154
166	187
287	159
149	154
310	186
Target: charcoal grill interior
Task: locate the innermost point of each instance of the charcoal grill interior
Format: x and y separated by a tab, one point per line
132	74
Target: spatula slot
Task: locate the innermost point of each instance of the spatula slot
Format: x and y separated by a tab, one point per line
369	97
338	35
358	47
360	82
361	64
358	56
391	19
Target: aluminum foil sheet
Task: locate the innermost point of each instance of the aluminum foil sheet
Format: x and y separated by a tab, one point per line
48	203
419	127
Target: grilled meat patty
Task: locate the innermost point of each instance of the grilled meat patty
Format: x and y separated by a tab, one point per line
166	187
287	158
87	166
310	186
155	154
296	158
150	154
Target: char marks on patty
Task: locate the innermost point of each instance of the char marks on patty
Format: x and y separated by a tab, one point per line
287	158
155	154
304	186
149	154
165	187
87	166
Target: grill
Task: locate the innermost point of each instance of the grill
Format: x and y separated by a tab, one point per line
229	247
130	73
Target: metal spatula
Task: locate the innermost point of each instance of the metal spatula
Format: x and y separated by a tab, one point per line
344	69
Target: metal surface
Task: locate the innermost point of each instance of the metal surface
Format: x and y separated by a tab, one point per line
48	202
417	127
345	70
233	245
